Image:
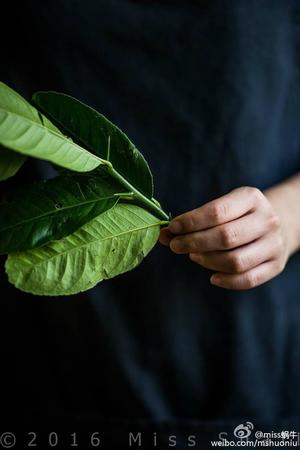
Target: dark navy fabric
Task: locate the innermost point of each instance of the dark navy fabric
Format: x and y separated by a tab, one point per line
209	91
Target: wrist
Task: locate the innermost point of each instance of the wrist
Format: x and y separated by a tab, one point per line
283	199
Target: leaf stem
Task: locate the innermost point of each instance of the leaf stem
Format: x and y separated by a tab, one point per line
142	199
164	222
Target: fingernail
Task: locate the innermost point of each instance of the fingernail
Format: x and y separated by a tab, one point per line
175	227
215	279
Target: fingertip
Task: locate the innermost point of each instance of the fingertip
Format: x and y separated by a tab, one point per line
175	226
173	246
177	246
165	236
193	257
215	279
163	242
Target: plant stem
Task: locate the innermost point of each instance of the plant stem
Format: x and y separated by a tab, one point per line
164	222
142	199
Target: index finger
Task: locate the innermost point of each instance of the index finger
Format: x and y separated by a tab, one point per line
230	206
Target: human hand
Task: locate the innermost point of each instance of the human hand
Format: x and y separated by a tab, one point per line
239	236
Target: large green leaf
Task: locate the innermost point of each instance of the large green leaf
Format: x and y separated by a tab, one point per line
10	163
52	209
25	130
93	131
112	243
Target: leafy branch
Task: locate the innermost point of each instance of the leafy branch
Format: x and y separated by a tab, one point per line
66	234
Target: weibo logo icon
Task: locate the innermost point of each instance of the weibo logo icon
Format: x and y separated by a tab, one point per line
243	431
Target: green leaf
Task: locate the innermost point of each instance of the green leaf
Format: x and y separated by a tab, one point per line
112	243
25	130
10	163
93	131
52	209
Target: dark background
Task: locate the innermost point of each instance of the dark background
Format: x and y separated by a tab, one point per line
209	92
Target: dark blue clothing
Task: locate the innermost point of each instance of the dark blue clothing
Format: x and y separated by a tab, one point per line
209	91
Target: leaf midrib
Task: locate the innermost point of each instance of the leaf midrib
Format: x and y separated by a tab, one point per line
92	242
59	136
56	211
